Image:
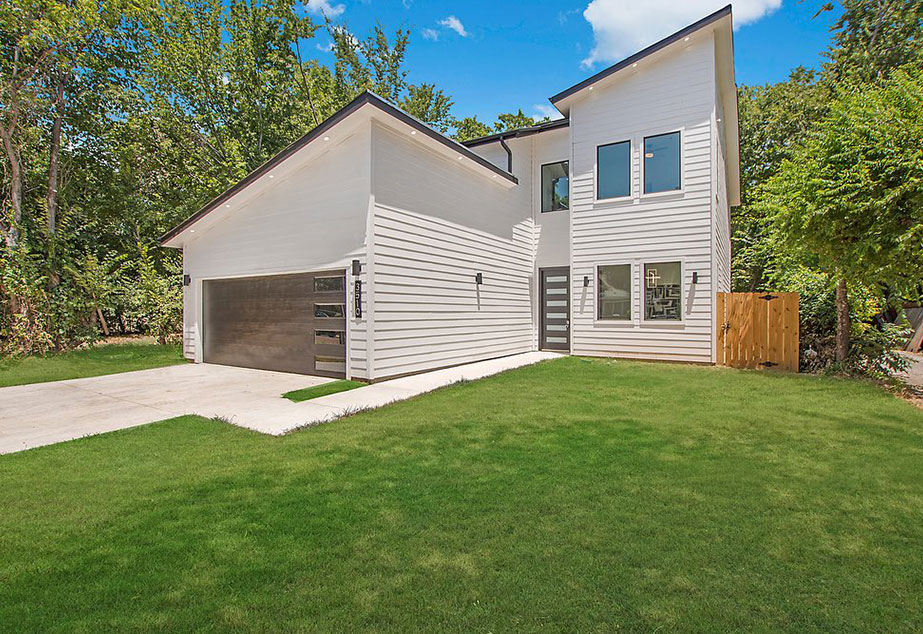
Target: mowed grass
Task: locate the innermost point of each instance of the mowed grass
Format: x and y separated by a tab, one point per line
572	496
95	361
333	387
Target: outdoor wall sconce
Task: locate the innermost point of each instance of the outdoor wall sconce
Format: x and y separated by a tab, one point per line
186	279
479	278
695	277
586	281
357	268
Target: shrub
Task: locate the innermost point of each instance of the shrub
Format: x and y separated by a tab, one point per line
873	351
155	299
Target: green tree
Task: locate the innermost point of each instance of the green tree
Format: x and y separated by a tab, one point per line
773	118
471	128
872	37
513	121
851	195
430	105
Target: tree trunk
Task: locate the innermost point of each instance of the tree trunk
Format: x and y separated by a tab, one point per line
102	321
842	319
15	163
54	152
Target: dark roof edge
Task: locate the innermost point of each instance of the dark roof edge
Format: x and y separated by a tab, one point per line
518	132
366	97
437	136
650	50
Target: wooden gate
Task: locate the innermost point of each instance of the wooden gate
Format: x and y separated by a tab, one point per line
758	330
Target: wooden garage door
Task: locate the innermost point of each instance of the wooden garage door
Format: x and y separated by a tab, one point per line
287	323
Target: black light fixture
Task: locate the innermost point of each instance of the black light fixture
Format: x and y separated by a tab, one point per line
357	268
479	278
695	277
186	279
586	281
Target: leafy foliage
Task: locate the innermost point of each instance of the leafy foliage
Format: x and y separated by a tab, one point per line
120	119
852	193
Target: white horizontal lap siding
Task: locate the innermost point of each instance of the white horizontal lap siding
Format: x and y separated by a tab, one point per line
311	218
673	93
722	221
189	318
436	225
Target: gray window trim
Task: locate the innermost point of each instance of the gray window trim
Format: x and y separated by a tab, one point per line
679	160
630	164
541	191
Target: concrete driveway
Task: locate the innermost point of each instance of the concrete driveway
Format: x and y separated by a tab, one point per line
45	413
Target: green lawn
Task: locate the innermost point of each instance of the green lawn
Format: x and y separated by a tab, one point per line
572	496
96	361
323	389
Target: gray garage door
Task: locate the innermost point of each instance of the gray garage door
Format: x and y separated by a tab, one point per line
287	323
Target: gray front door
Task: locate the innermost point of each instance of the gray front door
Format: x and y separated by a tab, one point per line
554	333
288	323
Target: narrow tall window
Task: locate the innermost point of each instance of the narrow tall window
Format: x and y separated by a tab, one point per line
613	292
662	163
663	296
555	187
613	170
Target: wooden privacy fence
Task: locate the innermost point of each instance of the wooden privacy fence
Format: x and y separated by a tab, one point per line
758	330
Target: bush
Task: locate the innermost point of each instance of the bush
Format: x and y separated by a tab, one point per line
871	349
37	315
23	307
873	352
155	299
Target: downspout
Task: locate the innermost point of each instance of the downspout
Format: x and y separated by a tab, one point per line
509	154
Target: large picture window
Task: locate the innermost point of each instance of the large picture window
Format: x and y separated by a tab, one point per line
555	187
662	163
663	291
613	292
613	170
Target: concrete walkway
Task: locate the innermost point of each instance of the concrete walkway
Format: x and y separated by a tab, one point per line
47	413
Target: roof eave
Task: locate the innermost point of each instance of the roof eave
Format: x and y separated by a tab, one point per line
559	100
366	98
518	132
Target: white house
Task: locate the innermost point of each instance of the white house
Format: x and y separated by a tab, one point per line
374	246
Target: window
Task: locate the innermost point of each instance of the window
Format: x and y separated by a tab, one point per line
613	170
323	311
328	284
330	364
613	292
662	163
555	187
663	296
336	337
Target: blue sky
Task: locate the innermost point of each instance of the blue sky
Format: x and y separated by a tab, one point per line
495	56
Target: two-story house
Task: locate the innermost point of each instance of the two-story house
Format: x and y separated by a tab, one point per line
375	246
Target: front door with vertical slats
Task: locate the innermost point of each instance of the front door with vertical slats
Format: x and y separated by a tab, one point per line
554	333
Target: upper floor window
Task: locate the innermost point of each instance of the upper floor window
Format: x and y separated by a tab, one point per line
555	187
613	170
662	163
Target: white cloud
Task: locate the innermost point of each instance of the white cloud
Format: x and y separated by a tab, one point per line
622	27
430	34
455	24
324	7
543	110
325	47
